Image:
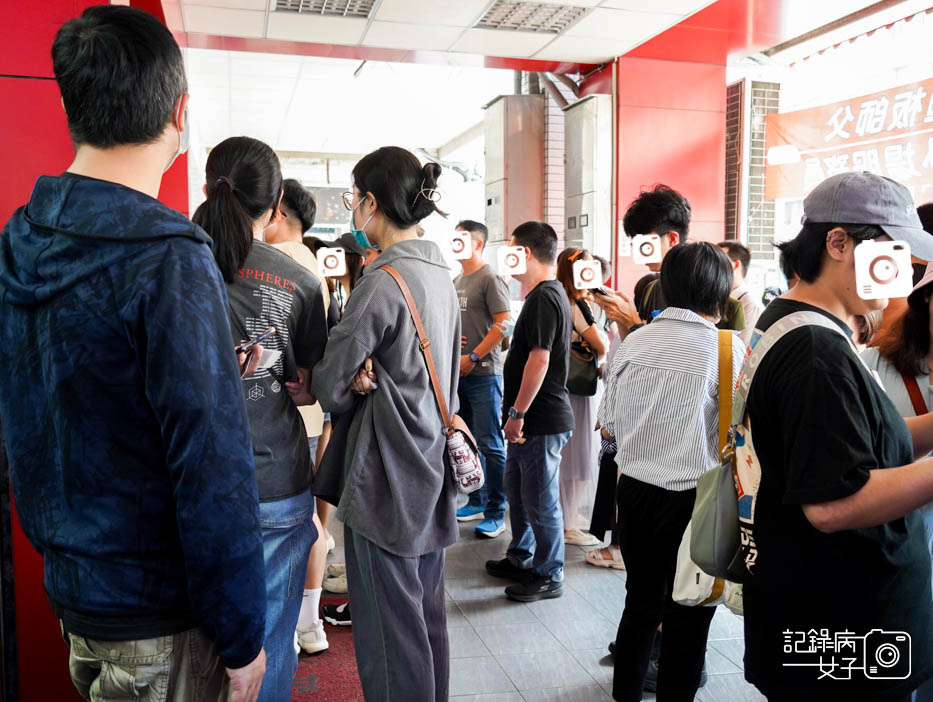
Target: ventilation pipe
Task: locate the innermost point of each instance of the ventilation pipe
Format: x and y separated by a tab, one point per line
553	90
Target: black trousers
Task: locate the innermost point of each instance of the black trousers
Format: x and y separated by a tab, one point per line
604	506
651	524
399	622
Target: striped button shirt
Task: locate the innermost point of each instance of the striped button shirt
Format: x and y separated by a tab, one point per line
662	399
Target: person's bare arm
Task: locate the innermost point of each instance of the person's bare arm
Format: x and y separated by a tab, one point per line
492	339
889	494
921	431
594	340
533	376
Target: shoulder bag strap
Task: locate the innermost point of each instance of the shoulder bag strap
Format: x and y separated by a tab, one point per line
424	343
768	340
725	386
916	396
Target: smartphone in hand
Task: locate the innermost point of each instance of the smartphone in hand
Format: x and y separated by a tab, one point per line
252	342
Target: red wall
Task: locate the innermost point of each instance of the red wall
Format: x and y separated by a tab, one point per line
672	130
34	141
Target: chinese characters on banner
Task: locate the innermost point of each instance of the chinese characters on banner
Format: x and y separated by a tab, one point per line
888	133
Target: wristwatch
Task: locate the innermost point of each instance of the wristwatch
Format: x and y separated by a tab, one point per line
515	414
473	357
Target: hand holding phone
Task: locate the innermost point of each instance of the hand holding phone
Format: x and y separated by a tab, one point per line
255	340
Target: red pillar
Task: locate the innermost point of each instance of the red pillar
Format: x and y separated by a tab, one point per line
672	129
34	140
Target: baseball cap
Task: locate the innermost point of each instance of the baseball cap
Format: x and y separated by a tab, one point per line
866	198
349	243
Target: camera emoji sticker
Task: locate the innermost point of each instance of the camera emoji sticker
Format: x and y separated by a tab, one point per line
587	275
883	269
646	248
333	262
512	260
460	245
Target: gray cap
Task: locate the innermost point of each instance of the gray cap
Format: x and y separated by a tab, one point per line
866	198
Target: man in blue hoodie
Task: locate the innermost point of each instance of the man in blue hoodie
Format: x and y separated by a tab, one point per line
120	394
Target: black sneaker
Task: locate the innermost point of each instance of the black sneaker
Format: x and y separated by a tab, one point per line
504	568
336	615
535	588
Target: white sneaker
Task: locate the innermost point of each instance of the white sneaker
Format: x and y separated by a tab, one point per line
337	584
336	569
578	538
313	640
331	544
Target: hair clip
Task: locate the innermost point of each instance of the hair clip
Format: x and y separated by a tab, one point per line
431	194
575	255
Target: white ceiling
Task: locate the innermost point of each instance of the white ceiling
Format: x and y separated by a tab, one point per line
308	104
609	28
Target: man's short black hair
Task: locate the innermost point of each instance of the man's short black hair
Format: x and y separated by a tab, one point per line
737	252
787	266
659	210
298	202
697	277
120	74
477	229
540	238
804	253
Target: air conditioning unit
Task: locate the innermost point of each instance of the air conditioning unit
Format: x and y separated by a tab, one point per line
588	174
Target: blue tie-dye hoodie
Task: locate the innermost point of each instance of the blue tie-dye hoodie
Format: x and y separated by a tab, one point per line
124	417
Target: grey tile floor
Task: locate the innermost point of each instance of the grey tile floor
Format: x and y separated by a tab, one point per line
553	650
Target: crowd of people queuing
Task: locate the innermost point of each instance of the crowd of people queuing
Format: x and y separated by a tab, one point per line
166	466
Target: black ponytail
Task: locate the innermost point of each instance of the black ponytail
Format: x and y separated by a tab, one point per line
244	180
406	191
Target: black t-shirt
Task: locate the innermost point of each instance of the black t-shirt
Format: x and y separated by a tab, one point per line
272	290
819	424
545	322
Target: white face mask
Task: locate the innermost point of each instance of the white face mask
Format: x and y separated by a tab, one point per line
183	140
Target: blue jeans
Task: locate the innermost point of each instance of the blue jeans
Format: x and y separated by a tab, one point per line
531	483
481	408
287	536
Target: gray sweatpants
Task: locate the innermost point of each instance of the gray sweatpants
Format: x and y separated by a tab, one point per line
399	622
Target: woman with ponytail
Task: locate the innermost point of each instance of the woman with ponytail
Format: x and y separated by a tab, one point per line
396	498
267	289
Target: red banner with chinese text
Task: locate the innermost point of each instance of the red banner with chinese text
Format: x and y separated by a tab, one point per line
889	133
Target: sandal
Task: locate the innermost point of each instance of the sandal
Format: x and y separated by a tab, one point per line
605	558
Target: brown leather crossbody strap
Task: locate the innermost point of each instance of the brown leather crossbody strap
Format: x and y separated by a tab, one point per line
424	344
916	395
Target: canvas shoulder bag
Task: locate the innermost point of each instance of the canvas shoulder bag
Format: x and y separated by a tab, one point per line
693	587
461	454
723	537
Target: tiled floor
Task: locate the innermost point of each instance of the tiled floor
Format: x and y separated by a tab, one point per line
553	650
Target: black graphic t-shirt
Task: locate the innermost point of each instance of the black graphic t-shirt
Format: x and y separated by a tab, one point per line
820	423
272	290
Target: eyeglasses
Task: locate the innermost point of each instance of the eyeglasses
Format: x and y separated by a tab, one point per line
347	200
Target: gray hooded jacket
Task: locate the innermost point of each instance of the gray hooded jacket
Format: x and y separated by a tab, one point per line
397	492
